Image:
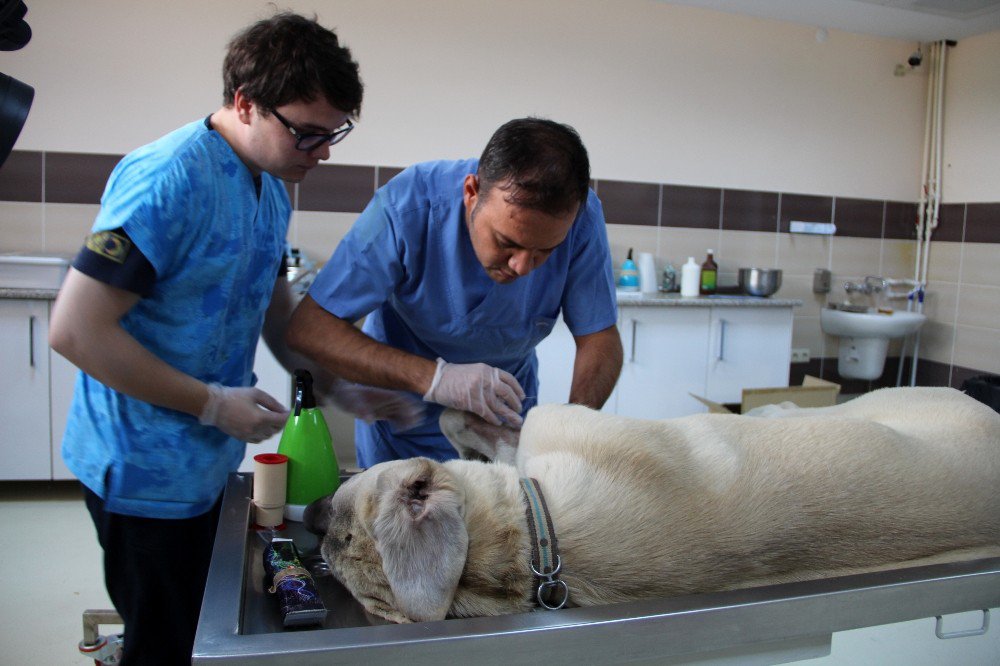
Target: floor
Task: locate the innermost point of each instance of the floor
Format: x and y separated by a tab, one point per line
54	576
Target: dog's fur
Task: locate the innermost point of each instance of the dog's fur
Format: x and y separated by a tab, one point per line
646	509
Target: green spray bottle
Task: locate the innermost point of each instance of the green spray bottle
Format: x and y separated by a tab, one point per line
313	471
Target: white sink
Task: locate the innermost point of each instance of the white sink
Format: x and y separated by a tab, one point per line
870	324
25	271
864	338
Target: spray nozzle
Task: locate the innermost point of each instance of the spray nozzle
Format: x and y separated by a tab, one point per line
304	397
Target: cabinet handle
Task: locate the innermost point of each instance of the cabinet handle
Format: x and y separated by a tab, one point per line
720	356
632	351
31	341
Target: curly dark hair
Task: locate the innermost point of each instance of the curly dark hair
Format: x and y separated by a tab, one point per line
539	164
287	58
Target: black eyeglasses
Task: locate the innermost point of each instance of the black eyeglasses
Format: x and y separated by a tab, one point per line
313	140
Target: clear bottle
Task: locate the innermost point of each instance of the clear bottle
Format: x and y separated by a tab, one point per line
709	275
313	471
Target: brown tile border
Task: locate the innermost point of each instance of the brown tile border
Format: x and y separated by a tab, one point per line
77	177
749	210
629	203
385	174
859	218
951	223
982	223
805	208
900	220
691	207
337	188
21	177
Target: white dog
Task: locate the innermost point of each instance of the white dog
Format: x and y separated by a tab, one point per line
645	509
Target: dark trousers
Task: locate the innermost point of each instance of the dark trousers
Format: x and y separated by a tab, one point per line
155	572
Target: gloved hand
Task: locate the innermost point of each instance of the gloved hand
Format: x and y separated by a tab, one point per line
243	412
490	392
370	403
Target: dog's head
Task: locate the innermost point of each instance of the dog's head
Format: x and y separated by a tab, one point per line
395	536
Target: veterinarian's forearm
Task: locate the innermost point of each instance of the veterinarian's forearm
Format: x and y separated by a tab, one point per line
596	368
340	348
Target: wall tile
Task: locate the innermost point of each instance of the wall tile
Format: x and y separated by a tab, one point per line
800	287
317	234
21	176
337	188
856	256
977	348
960	374
979	306
638	238
859	218
746	249
945	259
979	264
898	258
802	254
937	341
67	225
982	223
804	208
930	373
900	220
21	227
77	178
696	207
807	334
940	302
747	210
951	223
385	174
676	244
629	203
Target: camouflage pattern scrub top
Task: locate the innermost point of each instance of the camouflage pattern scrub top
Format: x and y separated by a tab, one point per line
215	237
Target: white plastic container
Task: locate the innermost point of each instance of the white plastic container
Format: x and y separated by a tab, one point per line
647	273
690	278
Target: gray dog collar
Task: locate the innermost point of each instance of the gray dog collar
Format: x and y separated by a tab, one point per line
550	593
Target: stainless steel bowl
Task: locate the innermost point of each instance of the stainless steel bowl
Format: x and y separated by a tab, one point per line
760	281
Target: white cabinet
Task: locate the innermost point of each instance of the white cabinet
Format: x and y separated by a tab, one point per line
665	352
750	348
24	397
674	351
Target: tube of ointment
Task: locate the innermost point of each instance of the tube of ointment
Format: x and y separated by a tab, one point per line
298	599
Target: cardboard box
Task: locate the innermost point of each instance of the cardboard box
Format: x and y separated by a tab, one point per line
814	392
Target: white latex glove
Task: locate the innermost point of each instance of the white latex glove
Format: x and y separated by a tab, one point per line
490	392
243	412
370	403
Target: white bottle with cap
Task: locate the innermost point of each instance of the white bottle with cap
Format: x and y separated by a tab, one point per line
647	273
690	278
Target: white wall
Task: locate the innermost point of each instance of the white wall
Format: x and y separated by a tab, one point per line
972	121
659	92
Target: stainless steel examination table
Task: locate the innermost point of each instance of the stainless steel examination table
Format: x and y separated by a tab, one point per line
240	622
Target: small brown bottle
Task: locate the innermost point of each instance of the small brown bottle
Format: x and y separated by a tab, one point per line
709	275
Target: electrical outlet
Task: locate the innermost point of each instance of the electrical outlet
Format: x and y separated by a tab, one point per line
800	355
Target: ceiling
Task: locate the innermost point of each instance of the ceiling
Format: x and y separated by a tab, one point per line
914	20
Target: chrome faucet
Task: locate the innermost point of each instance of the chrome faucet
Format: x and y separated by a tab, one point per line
870	285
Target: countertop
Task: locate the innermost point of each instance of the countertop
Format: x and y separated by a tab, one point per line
660	299
625	298
26	293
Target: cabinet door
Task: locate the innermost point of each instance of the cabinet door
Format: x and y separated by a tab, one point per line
750	348
665	352
24	396
556	356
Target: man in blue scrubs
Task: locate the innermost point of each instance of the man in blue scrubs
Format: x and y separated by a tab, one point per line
462	268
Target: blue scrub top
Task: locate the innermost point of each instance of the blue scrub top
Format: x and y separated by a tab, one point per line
408	263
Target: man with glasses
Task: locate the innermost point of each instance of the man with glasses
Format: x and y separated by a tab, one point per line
462	268
162	311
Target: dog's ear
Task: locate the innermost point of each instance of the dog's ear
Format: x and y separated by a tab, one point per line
420	535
